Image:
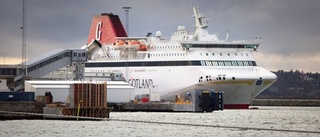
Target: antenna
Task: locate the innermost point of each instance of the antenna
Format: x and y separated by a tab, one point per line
126	9
227	36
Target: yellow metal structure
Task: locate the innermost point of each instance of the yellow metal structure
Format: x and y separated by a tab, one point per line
180	101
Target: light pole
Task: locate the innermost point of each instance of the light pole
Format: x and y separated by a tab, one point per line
126	9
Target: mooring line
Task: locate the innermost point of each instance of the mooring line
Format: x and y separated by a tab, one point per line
217	126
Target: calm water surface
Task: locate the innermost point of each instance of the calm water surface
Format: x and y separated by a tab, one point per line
265	121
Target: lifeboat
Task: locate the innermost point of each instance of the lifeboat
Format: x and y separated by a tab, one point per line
132	42
120	43
143	47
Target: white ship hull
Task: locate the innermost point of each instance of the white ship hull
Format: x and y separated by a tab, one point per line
238	92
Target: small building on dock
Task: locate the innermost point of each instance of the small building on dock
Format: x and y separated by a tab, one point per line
3	85
118	91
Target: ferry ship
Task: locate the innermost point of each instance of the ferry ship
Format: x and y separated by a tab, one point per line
186	62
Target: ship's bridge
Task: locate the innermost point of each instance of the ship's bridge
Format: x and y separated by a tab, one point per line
222	44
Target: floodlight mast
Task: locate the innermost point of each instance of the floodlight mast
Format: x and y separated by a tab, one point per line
24	71
126	9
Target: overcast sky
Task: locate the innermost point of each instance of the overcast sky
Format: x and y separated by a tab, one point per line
289	28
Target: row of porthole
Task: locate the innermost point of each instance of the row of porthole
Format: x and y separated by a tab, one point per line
208	78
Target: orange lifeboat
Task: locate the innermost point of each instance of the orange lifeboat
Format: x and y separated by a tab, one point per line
120	43
143	47
133	42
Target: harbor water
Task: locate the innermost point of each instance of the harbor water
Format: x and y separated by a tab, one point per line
264	121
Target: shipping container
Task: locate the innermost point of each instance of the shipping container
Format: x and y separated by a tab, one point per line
145	100
16	96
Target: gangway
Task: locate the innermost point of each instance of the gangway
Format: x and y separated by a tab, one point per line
56	59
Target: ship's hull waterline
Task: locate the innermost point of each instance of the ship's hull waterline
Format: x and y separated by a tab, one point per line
239	88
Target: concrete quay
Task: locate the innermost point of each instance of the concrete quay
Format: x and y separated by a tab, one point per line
7	108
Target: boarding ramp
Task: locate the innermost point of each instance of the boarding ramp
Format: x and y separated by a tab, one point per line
92	48
46	63
56	59
52	61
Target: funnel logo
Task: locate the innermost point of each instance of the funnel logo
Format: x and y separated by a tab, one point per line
98	31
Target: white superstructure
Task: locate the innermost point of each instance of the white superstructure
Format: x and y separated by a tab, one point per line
117	91
186	62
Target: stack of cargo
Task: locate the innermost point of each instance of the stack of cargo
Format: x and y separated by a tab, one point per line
46	99
88	99
89	95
